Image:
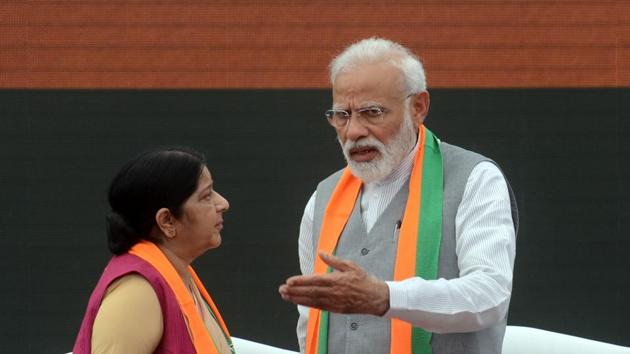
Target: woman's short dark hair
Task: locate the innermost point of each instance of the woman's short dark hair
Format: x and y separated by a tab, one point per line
161	178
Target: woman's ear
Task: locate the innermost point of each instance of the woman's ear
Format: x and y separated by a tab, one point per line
166	222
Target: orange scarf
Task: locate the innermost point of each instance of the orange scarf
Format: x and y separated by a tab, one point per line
201	339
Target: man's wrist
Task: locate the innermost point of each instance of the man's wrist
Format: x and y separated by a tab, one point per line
382	298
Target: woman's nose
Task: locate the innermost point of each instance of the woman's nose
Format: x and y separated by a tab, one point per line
222	204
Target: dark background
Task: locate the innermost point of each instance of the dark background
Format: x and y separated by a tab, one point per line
565	153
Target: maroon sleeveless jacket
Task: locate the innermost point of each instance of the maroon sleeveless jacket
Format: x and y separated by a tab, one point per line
175	337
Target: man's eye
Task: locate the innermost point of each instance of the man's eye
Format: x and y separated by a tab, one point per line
342	115
372	112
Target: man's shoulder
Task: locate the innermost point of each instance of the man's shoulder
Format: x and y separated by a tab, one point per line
458	158
457	152
326	186
332	178
459	164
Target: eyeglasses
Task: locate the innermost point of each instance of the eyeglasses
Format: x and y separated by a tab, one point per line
370	115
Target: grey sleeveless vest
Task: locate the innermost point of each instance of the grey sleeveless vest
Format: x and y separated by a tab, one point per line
376	251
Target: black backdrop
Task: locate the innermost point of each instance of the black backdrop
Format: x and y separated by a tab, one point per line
564	151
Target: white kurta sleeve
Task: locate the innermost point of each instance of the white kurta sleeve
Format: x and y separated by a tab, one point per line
485	247
307	258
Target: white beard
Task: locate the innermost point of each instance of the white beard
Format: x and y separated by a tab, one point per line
390	156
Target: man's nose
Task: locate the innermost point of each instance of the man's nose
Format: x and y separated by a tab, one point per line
355	130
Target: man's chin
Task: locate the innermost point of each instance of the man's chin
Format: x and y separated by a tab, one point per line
366	172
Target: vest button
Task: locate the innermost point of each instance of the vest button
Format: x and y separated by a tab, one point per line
354	326
365	251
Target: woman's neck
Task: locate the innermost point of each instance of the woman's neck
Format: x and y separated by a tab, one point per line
180	264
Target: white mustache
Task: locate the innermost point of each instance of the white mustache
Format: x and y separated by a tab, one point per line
368	142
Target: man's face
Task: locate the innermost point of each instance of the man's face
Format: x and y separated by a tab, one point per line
377	84
374	150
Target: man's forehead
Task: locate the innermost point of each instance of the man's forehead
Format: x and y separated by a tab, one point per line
381	79
365	95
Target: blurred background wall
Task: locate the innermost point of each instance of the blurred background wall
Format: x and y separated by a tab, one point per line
539	86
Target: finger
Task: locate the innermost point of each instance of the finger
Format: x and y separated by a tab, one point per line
307	301
283	290
318	303
308	291
336	262
284	294
312	297
310	280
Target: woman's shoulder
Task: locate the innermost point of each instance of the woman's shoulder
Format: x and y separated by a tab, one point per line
129	317
129	285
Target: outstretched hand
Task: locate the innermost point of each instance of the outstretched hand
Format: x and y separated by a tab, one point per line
348	289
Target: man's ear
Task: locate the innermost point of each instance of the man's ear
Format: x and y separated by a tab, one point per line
166	222
420	107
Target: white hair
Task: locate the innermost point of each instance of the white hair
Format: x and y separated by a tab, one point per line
379	50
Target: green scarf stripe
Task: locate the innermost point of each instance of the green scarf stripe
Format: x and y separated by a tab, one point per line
322	342
429	228
429	237
322	339
227	338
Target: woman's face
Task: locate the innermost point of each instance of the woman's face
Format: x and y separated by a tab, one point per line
202	216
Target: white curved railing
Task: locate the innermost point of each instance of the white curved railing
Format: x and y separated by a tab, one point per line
518	340
527	340
244	346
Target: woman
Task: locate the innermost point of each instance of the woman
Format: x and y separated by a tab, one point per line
165	213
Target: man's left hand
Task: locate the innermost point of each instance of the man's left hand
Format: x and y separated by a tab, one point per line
348	289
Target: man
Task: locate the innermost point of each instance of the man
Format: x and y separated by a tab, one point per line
423	232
